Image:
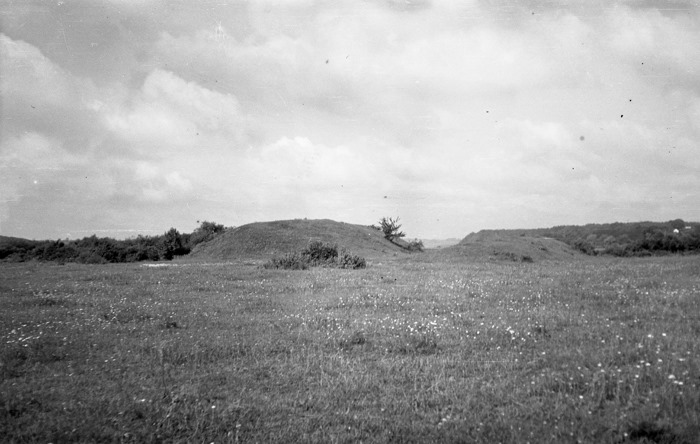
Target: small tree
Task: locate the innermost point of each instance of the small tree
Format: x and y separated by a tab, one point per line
205	232
170	245
390	227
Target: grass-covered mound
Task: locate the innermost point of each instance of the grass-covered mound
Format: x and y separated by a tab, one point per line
264	240
505	246
624	239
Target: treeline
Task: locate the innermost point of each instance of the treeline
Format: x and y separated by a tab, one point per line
99	250
628	239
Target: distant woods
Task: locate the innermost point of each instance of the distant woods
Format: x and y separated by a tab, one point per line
99	250
627	239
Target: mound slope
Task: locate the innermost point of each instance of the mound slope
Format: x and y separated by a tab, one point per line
507	246
8	240
262	240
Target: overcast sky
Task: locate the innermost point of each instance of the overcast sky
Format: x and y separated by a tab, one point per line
133	116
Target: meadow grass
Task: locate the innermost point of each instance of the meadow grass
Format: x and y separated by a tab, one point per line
407	350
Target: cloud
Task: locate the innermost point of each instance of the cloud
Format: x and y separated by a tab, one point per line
176	129
39	95
43	123
150	183
17	157
31	77
60	136
294	176
639	34
471	113
172	111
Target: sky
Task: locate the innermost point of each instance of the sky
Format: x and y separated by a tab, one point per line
128	117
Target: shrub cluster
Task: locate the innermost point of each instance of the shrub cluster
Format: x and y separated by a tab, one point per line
100	250
289	261
351	261
205	232
317	254
415	245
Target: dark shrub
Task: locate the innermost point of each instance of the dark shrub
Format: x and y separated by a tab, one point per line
318	253
351	261
290	261
170	245
416	245
584	247
89	257
204	233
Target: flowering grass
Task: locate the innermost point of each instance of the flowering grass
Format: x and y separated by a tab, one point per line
407	350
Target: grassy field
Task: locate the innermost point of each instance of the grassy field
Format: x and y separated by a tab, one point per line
407	350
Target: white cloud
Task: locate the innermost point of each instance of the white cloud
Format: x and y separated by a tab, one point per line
640	35
31	77
483	115
36	151
178	182
298	160
29	160
147	181
172	112
40	96
694	114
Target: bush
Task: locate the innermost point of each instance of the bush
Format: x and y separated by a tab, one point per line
415	245
204	233
351	261
290	261
90	257
317	254
170	245
584	247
